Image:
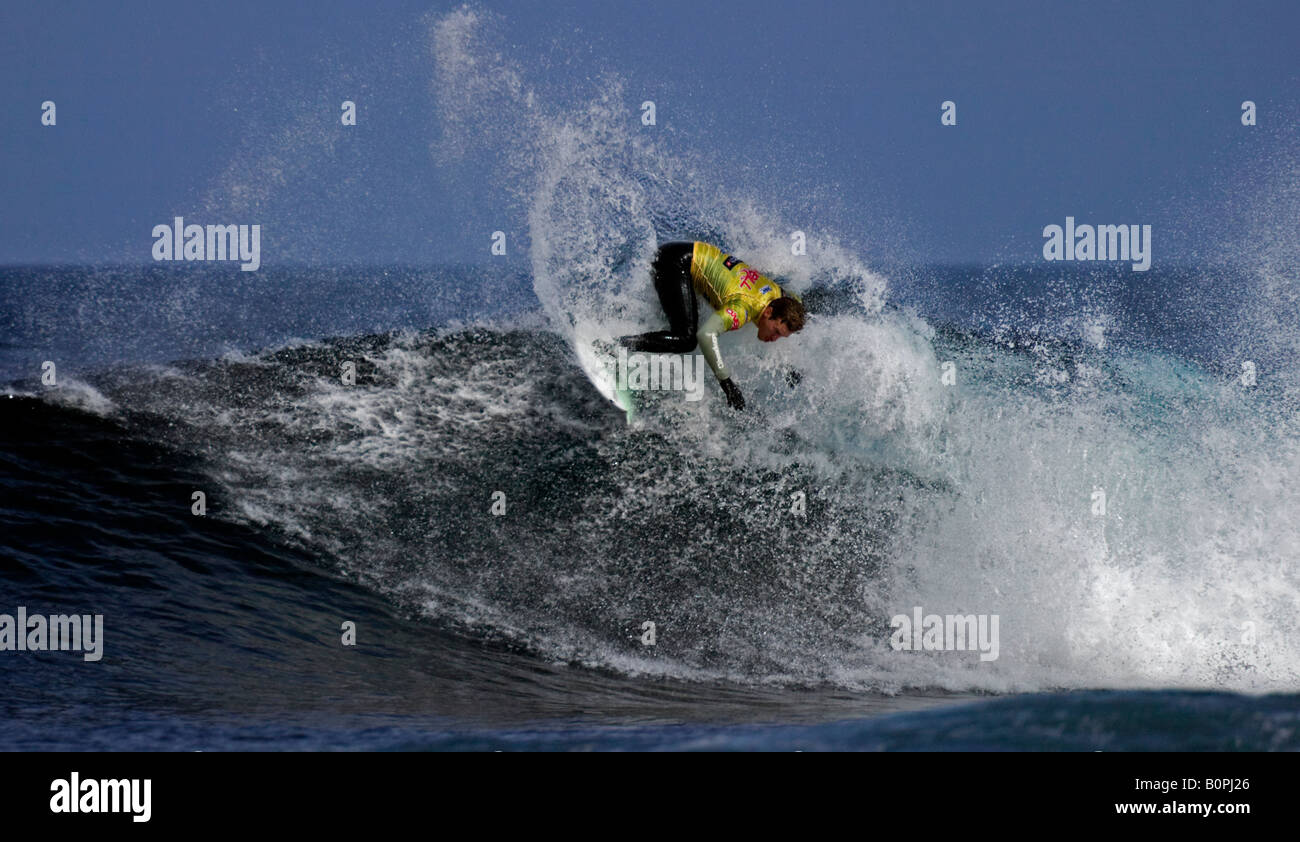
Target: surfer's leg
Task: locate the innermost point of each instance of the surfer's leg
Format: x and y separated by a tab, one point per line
672	279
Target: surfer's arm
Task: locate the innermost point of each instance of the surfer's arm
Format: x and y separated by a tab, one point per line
708	339
732	315
707	336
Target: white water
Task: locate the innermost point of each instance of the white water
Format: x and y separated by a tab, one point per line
1188	577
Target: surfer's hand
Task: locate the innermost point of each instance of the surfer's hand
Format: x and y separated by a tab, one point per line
734	399
792	378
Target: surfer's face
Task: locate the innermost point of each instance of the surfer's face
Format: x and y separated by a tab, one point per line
770	329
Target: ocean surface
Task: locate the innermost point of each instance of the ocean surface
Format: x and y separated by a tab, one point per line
1164	623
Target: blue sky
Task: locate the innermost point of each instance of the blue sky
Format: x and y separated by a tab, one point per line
1112	112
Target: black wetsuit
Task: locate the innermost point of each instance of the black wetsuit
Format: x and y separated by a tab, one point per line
672	278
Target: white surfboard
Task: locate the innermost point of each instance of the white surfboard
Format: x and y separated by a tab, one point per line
598	359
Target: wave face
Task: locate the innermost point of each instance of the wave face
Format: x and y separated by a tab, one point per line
974	498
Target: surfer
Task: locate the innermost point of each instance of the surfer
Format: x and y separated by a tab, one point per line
737	294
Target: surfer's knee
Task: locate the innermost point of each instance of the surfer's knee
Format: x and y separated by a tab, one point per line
682	344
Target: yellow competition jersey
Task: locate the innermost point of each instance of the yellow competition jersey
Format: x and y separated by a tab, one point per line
738	293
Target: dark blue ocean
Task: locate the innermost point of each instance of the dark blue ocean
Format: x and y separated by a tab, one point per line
949	438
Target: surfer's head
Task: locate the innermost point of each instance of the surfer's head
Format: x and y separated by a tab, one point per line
779	319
